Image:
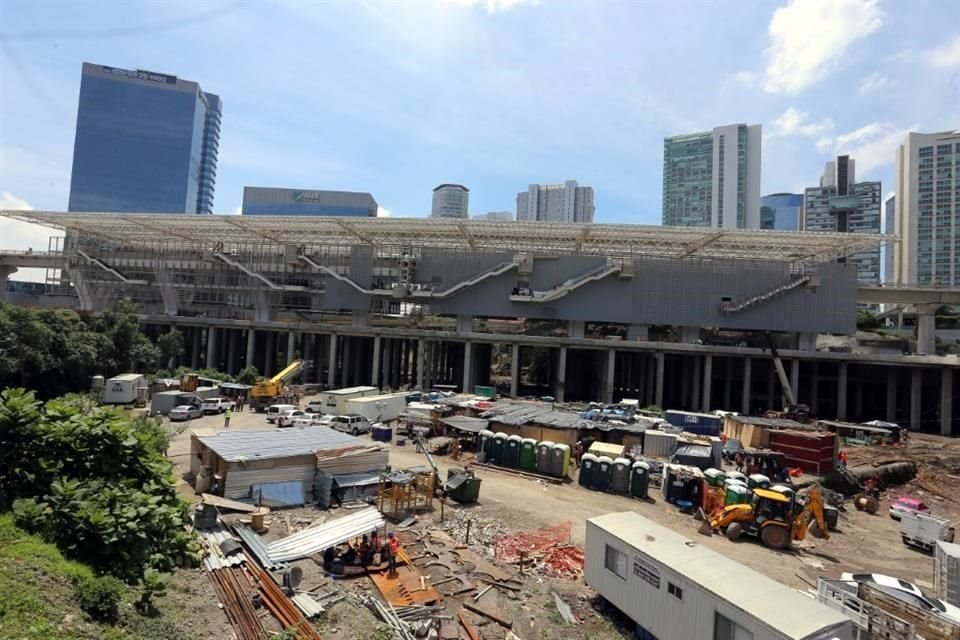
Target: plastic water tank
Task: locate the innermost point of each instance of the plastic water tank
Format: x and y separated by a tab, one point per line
588	469
620	480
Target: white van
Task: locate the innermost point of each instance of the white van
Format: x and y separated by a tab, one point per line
274	410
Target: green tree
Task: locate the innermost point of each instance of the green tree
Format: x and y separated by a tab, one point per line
867	320
171	347
248	375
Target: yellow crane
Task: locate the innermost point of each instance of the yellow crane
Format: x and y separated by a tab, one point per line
274	390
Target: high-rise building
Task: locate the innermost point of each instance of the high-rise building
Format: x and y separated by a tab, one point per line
502	216
146	142
712	178
889	228
841	204
927	209
450	201
781	211
266	201
565	202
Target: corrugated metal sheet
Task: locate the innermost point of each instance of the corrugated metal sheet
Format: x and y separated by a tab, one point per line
279	494
310	607
215	558
236	446
778	423
657	444
257	547
369	458
316	539
239	483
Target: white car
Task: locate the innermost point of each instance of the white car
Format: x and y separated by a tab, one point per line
905	592
286	418
274	411
354	425
312	420
215	405
184	412
314	406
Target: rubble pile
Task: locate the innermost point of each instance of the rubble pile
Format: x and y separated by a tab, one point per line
548	549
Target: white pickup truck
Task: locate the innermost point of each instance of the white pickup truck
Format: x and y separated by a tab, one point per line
923	530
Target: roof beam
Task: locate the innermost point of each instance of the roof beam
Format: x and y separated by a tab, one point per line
703	244
466	234
582	238
355	232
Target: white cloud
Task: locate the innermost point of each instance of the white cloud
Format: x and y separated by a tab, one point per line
945	56
492	6
809	37
873	82
383	212
794	122
18	235
872	146
236	212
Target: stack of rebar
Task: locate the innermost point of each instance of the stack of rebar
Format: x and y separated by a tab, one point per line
233	587
282	607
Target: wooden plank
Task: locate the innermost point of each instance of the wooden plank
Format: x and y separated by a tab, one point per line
227	503
469	628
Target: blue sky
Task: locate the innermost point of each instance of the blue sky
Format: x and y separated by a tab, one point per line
395	98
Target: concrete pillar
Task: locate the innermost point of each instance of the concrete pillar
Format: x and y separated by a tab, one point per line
395	377
650	376
946	401
638	332
926	328
271	355
696	397
515	370
891	395
770	386
291	346
687	401
814	400
707	381
916	392
745	399
561	374
332	360
195	351
728	384
608	379
842	391
576	328
658	382
375	367
421	364
795	379
689	335
346	360
360	318
5	273
233	337
467	366
858	395
251	345
211	347
464	324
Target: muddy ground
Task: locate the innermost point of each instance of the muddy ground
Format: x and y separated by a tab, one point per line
508	503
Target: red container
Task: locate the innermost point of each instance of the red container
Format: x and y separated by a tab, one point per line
812	451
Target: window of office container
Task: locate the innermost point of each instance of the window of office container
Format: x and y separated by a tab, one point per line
726	629
616	562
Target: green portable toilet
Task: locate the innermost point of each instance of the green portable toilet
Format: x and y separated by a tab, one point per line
560	460
498	449
736	494
714	477
588	469
736	475
544	453
639	479
528	454
620	480
604	474
758	481
511	452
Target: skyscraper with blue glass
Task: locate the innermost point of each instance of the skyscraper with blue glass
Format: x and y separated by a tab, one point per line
146	142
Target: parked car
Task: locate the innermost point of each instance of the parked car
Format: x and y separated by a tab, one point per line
312	420
901	505
286	418
274	410
731	448
314	406
185	412
354	425
905	592
215	405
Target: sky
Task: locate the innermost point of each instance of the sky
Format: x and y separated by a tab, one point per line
395	98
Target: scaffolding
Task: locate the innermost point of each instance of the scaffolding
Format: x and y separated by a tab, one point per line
405	493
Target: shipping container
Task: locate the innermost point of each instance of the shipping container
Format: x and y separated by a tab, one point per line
813	451
382	408
122	389
946	572
676	589
657	444
705	424
335	400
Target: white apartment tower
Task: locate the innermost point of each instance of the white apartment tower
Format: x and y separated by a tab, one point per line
927	210
450	201
565	202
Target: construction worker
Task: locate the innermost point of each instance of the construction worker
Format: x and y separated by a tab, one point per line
843	459
226	418
393	548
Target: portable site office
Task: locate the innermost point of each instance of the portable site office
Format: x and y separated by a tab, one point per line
335	400
676	589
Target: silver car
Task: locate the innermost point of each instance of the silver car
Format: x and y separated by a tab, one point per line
354	425
184	412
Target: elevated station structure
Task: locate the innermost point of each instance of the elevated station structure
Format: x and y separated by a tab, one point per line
359	298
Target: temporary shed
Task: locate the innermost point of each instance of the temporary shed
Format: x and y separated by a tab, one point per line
247	458
753	431
856	432
659	444
378	408
676	589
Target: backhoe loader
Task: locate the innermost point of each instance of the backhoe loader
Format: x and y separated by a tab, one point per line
773	517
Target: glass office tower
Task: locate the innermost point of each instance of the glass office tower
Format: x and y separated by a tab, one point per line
781	211
146	143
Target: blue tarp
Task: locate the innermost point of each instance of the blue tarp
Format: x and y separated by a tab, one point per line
279	494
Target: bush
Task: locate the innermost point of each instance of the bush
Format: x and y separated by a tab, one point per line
100	597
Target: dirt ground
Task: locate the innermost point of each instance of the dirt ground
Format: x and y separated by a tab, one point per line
508	503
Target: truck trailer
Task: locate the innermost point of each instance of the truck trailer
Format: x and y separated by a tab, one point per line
382	408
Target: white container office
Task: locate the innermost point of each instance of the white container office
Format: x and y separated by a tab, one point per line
122	389
335	400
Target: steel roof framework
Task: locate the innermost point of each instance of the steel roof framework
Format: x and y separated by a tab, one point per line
390	235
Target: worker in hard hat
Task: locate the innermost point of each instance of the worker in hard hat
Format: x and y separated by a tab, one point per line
393	548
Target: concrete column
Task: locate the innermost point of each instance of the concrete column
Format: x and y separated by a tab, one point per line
360	318
332	360
271	356
464	324
5	273
891	395
858	395
707	381
467	366
946	401
795	379
658	382
689	335
745	399
561	374
608	379
916	392
251	345
211	347
576	328
291	346
515	370
649	375
233	337
395	376
421	364
814	401
728	384
770	386
638	332
195	352
695	398
375	367
345	359
926	328
842	391
687	401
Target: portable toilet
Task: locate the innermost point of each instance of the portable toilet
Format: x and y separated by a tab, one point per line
732	481
639	479
511	452
714	477
528	454
758	481
486	444
620	479
560	460
588	469
784	490
604	474
736	475
498	448
544	455
736	494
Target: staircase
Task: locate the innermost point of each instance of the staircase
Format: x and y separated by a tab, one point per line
253	274
497	270
103	265
333	274
796	280
567	286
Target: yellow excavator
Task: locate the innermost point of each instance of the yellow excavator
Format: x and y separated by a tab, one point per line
274	390
775	518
